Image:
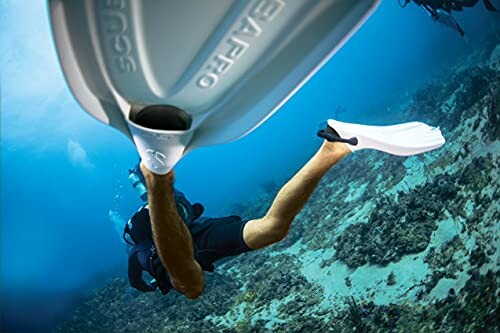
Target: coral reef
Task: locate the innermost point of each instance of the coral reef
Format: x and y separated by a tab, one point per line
394	228
455	313
444	257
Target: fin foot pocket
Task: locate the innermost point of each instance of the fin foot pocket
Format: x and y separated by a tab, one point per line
162	117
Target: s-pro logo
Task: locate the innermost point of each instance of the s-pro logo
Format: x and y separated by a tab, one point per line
156	157
239	41
116	27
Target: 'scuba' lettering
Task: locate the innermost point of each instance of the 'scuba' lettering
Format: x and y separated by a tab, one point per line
116	26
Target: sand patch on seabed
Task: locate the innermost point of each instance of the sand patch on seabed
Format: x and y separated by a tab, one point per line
369	281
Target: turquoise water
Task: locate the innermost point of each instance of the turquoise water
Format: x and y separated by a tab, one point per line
65	189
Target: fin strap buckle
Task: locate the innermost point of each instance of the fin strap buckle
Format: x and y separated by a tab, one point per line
330	135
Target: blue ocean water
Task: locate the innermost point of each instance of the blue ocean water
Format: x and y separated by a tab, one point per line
62	171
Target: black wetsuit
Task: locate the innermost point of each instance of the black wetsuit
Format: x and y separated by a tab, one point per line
213	239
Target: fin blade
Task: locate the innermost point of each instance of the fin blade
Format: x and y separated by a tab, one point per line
405	139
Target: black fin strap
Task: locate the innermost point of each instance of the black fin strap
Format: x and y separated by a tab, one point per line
332	136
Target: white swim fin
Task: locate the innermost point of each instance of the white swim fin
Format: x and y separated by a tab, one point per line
405	139
175	75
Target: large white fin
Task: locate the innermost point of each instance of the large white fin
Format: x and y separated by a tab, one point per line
403	139
228	64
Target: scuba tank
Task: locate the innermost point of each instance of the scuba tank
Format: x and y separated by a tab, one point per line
138	182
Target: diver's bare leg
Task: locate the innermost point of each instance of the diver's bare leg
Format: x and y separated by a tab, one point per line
292	197
171	236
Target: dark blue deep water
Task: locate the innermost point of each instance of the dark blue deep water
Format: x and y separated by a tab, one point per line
63	173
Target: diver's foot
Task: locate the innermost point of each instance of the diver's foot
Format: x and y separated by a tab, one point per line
334	150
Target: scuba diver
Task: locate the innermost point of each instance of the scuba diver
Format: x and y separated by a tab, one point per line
237	71
210	239
441	10
169	229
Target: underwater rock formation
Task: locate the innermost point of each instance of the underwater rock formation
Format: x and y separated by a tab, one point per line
394	229
399	227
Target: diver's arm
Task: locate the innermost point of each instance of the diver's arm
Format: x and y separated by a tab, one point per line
172	238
